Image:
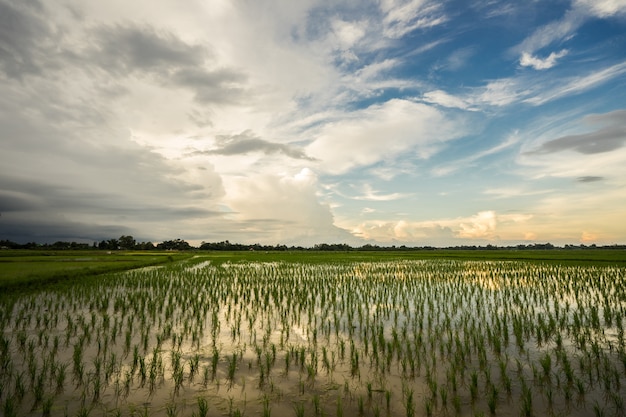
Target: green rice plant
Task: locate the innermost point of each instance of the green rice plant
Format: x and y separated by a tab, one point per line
193	366
546	365
492	399
339	407
46	406
19	389
170	409
409	404
214	362
456	403
83	411
203	408
387	399
526	401
206	376
299	408
598	410
429	406
474	385
443	394
9	407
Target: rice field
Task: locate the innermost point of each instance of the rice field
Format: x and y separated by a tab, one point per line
356	338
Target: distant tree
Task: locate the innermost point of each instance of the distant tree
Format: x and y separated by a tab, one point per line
177	244
112	244
145	246
127	242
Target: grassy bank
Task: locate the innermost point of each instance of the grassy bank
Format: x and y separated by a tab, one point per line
24	268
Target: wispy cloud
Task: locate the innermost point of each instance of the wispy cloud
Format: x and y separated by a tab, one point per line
576	84
461	164
369	194
404	16
561	30
605	139
535	89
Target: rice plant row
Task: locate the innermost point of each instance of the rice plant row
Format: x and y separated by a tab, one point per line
409	338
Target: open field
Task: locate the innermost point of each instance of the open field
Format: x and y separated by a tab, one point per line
27	268
319	334
564	256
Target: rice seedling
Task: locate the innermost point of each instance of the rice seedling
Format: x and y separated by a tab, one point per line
203	408
441	325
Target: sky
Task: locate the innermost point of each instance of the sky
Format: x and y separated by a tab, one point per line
389	122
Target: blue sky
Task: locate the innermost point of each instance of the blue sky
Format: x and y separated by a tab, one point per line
278	122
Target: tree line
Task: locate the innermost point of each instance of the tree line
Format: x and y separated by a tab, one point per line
127	242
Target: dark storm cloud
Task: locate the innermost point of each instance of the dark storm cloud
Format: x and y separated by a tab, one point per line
46	228
125	49
22	34
606	139
219	86
246	142
36	211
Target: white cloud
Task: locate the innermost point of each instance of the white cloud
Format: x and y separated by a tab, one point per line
479	226
382	131
528	60
446	100
535	89
404	16
576	84
348	33
463	163
561	30
273	208
370	194
483	226
459	58
602	8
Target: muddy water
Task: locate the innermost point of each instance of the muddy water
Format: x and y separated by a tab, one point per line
393	338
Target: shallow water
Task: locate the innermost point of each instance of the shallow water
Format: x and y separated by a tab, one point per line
376	338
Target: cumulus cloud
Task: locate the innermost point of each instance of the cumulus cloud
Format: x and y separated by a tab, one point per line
285	209
382	131
528	60
483	226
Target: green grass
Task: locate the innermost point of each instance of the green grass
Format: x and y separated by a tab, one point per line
32	268
20	268
568	256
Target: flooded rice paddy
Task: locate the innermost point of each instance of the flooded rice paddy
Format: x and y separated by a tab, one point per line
384	338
